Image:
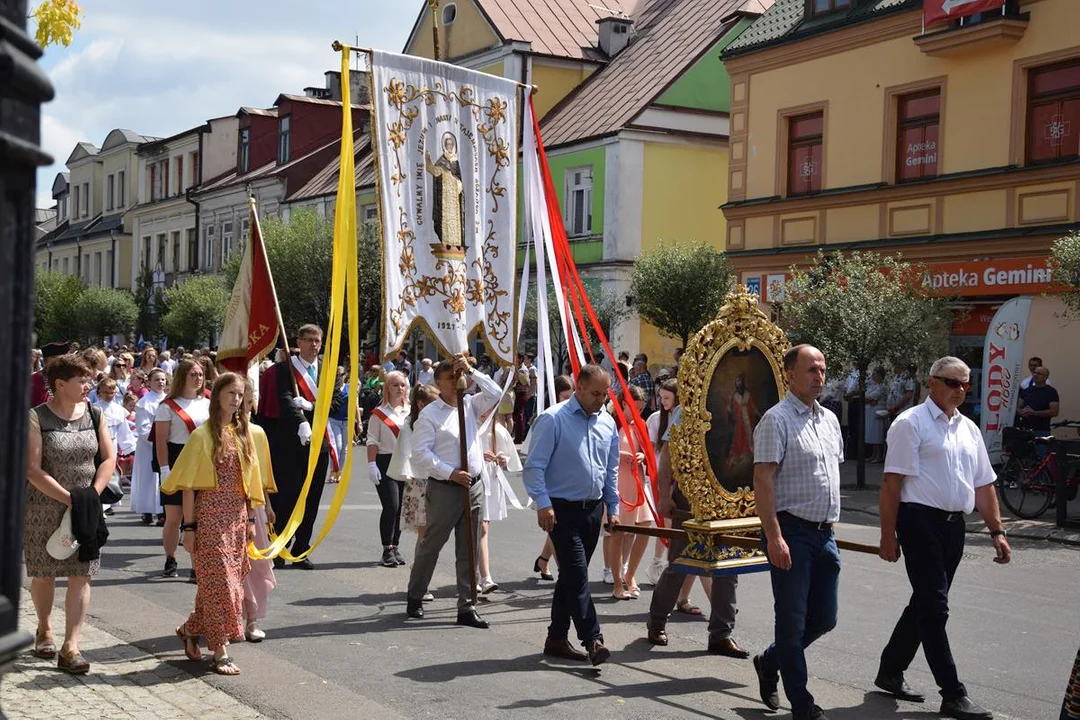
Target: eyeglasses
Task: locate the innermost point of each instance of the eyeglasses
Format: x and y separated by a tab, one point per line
954	383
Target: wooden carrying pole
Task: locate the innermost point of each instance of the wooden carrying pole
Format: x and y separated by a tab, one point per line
463	444
739	541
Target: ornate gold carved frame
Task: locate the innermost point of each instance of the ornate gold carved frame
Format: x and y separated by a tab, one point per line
741	328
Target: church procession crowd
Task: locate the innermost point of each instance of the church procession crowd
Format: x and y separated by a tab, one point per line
216	463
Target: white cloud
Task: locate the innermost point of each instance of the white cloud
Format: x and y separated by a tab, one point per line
159	69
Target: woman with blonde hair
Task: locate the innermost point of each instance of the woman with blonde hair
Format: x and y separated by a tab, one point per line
71	458
175	419
148	359
384	427
221	462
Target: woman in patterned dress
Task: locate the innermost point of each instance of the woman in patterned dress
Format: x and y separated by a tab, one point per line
413	502
63	447
221	463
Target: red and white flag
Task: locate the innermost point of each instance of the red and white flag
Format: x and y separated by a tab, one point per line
251	320
935	11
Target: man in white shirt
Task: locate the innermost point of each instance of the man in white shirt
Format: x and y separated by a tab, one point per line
426	374
437	456
1033	364
936	471
166	363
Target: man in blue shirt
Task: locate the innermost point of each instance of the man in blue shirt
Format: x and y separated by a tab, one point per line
571	473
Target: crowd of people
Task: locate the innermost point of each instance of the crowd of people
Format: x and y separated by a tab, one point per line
214	463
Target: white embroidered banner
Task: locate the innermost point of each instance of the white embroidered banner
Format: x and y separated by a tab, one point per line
446	139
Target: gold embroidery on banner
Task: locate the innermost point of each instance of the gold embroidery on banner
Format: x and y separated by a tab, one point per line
455	288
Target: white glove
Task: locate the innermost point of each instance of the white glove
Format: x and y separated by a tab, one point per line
164	473
302	404
304	433
374	474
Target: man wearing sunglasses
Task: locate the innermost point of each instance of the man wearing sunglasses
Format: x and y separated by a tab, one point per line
936	471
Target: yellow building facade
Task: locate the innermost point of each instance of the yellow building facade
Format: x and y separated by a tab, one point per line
955	148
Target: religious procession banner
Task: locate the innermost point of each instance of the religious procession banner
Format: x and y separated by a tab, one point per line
447	158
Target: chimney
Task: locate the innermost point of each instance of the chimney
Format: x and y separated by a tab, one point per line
360	93
614	34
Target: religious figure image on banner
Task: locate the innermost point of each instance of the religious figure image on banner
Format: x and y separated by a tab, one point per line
446	138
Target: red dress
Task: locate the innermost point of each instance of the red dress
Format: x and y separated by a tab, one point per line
220	560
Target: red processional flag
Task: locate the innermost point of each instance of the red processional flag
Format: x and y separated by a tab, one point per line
251	320
935	11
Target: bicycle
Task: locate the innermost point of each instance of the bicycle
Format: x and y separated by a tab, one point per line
1028	484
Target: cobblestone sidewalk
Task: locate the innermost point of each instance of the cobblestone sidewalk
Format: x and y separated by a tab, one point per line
123	682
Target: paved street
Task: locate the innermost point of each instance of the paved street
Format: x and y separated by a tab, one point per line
339	645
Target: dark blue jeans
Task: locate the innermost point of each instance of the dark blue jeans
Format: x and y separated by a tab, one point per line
804	602
574	536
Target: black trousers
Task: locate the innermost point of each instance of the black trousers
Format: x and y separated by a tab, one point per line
289	486
576	532
390	491
932	542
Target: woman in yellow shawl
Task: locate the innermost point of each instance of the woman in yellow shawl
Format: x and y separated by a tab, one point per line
221	462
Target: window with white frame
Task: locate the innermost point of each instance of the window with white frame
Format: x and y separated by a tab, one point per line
226	242
110	192
208	248
162	251
284	143
579	182
120	189
245	229
66	267
370	212
75	205
175	246
146	252
86	199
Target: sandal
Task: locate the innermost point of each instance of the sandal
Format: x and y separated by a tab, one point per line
224	666
44	645
72	663
686	608
191	644
634	591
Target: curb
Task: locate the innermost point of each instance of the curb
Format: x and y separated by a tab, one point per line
1020	534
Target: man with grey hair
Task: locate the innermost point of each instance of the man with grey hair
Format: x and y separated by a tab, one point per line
936	471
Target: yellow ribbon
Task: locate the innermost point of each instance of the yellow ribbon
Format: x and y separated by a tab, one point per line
343	287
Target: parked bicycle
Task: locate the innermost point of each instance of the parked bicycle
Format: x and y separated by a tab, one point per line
1027	482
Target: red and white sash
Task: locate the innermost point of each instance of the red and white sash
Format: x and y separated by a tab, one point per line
309	391
180	413
387	420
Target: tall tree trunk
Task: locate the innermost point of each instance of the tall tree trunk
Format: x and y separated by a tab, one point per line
860	478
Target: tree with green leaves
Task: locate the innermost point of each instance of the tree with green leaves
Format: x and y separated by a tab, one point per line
610	311
863	309
55	296
195	310
101	312
1065	259
679	288
301	256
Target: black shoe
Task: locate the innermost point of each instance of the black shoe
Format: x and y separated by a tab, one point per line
964	709
397	556
544	574
767	683
414	608
279	563
147	519
304	564
597	652
160	522
563	650
814	713
110	511
895	686
388	559
470	618
170	568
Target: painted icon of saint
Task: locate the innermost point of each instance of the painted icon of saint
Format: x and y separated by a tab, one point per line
448	212
743	417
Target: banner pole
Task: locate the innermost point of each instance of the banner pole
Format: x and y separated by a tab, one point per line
434	5
273	288
463	445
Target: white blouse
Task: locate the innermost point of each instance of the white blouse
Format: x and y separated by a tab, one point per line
379	433
198	409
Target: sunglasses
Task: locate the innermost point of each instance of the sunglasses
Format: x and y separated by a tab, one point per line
954	383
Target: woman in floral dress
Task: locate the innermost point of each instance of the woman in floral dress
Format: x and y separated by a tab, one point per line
220	462
413	502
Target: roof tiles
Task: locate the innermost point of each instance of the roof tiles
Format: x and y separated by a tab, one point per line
562	28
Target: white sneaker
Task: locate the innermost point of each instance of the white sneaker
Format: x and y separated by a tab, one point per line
488	586
655	570
253	634
428	597
609	579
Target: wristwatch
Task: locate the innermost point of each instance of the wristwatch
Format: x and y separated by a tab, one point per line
995	533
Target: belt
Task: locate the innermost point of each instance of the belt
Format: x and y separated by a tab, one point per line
475	480
804	521
583	504
945	515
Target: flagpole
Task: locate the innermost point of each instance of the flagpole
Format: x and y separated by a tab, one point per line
273	290
434	5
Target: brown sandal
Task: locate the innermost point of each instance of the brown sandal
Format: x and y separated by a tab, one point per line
44	645
73	663
191	644
224	666
688	609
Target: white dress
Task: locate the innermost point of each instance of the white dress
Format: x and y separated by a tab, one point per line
497	489
145	495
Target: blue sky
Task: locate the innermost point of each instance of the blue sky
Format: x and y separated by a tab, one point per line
161	68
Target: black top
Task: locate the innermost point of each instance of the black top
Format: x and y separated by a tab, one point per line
1038	398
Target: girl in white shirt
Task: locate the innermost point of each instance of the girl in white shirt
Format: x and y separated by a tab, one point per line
384	427
171	431
145	494
500	455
